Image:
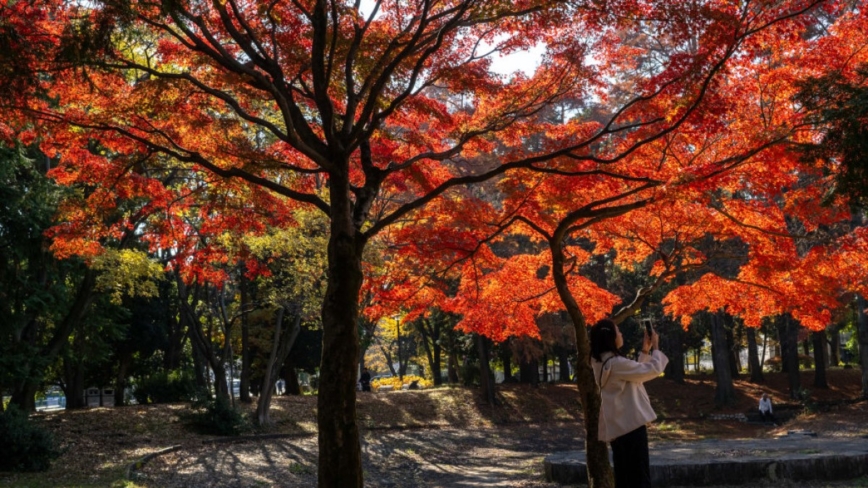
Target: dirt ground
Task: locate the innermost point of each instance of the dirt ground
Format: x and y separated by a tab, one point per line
436	438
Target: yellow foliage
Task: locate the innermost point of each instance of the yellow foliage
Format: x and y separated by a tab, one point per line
127	272
396	383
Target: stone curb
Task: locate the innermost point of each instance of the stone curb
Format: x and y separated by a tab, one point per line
798	457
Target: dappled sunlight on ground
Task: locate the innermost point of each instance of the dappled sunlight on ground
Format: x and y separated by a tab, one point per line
414	437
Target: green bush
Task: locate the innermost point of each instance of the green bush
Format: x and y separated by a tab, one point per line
24	446
172	387
217	417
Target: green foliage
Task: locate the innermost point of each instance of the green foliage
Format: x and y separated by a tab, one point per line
34	286
217	417
164	387
24	446
840	106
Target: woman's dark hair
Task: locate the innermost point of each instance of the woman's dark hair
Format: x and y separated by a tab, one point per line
603	338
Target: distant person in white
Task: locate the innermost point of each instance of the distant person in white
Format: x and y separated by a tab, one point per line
625	406
765	408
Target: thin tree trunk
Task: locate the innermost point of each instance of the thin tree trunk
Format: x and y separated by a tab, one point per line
244	383
430	331
452	366
756	370
281	344
24	391
202	380
564	360
765	349
819	341
597	453
177	330
834	345
435	373
121	379
506	359
724	393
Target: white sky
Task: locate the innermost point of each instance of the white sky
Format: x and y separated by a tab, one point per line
526	61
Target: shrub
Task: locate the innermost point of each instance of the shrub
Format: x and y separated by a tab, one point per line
397	384
172	387
24	446
217	417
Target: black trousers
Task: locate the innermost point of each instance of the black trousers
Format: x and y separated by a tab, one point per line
630	454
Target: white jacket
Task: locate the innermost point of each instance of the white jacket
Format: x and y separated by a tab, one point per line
625	403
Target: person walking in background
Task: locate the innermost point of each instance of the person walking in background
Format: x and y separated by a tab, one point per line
625	406
765	408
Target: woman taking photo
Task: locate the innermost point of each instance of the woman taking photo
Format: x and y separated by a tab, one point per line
625	408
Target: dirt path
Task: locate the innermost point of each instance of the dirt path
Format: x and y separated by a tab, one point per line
507	456
502	457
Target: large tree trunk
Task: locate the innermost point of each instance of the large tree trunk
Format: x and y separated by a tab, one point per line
73	384
340	454
788	338
597	453
863	342
724	393
528	371
732	349
281	344
753	361
290	375
24	396
819	340
486	379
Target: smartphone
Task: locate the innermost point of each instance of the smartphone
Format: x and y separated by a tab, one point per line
649	327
